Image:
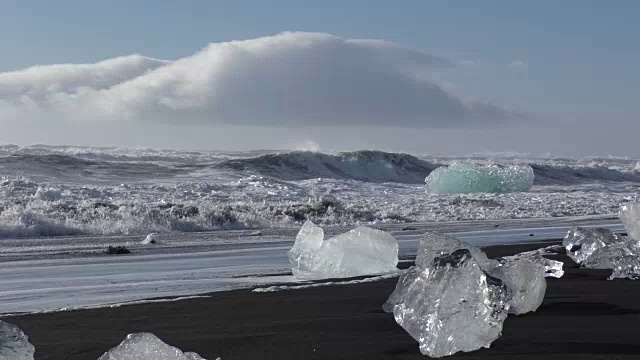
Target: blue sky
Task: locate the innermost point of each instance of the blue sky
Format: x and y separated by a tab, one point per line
558	59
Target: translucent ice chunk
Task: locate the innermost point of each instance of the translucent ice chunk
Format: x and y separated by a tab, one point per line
434	244
150	239
625	266
580	243
524	277
146	346
630	217
601	249
552	268
451	306
471	178
14	344
361	251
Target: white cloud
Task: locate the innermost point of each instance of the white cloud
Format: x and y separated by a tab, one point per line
519	65
295	79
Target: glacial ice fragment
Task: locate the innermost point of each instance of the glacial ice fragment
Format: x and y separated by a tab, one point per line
630	217
434	244
14	344
524	277
581	243
602	249
451	306
361	251
473	178
146	346
150	239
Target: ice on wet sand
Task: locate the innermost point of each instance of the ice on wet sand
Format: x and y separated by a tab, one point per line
601	249
581	243
630	217
451	306
14	344
456	298
361	251
146	346
524	277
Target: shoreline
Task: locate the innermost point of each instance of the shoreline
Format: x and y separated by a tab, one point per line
583	316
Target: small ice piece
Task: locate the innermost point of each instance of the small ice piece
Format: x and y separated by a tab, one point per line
630	217
476	178
602	249
451	306
580	243
524	277
625	266
361	251
150	239
553	268
146	346
14	344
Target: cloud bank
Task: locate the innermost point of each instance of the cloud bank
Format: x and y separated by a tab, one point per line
291	79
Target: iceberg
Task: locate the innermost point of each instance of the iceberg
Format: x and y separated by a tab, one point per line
471	178
361	251
630	217
14	344
451	306
146	346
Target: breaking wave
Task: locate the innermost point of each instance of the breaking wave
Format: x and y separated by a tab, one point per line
369	166
381	167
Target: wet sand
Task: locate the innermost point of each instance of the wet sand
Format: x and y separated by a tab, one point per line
584	316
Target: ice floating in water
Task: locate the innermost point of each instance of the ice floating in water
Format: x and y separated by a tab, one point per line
451	306
146	346
14	344
630	216
361	251
470	178
601	249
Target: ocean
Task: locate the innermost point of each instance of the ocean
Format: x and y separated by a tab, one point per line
66	190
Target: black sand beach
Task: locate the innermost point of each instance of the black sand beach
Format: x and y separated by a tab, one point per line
584	316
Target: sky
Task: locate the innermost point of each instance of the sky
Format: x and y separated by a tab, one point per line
446	76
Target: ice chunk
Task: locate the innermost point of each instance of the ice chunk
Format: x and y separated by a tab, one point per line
602	249
630	217
14	344
471	178
434	244
553	268
581	243
625	266
451	306
361	251
524	277
146	346
150	239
